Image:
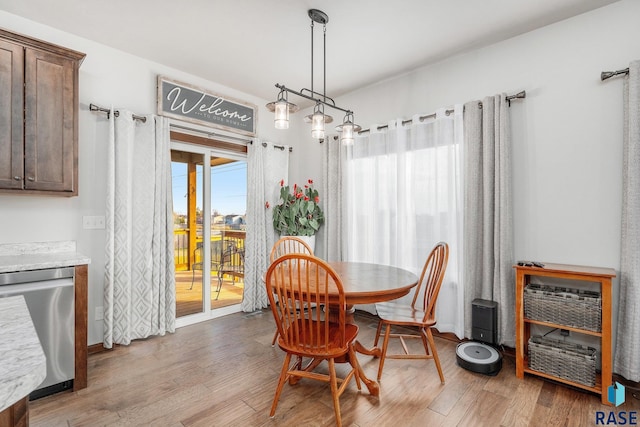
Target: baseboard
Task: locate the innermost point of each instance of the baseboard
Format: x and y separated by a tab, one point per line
449	336
98	348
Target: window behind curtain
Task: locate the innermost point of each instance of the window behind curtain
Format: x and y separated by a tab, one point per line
403	195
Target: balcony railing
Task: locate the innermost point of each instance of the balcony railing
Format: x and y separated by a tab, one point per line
185	256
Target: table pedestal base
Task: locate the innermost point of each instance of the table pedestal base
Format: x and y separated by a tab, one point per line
372	386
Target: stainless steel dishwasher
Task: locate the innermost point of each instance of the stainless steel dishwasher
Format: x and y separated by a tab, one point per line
49	295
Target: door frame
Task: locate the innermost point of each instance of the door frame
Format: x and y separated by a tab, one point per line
207	151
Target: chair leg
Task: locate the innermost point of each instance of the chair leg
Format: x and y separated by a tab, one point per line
275	338
425	343
193	277
281	381
383	354
219	287
378	330
334	391
432	343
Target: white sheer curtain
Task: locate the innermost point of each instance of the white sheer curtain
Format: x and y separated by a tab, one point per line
488	215
627	357
403	195
267	165
139	283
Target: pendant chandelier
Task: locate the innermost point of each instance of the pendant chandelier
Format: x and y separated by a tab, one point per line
282	107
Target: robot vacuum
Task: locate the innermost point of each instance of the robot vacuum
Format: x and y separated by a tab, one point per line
478	357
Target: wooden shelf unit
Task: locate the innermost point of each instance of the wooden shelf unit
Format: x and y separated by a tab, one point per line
603	277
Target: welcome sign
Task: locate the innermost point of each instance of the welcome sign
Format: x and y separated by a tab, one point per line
185	102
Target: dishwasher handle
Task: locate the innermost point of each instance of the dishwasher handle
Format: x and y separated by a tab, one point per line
23	288
30	276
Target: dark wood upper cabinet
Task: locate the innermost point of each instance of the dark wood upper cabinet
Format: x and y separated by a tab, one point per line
38	116
11	115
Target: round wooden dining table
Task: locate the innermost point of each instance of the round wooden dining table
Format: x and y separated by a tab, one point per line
365	283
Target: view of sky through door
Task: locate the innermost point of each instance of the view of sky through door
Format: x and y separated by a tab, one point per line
229	188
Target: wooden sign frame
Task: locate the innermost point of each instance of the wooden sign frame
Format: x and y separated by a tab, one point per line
192	104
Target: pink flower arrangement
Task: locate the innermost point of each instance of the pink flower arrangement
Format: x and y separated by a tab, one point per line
298	213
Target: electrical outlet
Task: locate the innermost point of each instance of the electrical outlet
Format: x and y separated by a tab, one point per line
564	332
100	222
93	222
99	313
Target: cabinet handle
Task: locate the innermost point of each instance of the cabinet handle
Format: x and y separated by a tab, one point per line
17	178
30	178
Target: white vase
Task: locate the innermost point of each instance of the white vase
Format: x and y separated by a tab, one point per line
309	240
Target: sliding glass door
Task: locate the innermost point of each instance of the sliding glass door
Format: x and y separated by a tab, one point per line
228	231
186	177
209	199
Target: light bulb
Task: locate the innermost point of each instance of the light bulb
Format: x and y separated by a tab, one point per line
347	134
281	119
317	124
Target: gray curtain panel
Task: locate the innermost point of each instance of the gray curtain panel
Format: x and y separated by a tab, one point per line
627	357
331	201
488	212
139	281
266	166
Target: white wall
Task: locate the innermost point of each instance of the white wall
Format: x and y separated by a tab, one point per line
107	77
567	133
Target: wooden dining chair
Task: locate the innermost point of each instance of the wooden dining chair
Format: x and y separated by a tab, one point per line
287	245
198	256
304	281
420	315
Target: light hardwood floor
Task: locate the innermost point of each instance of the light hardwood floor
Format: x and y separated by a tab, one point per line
223	373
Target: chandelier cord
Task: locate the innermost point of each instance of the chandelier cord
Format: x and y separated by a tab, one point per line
324	62
312	57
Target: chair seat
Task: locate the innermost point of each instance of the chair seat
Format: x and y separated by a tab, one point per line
400	314
333	349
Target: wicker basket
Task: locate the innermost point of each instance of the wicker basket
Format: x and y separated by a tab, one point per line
563	306
562	359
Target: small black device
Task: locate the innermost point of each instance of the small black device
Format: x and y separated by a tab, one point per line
479	356
530	264
484	321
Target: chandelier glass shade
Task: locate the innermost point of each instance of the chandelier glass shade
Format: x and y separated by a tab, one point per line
282	107
317	122
348	129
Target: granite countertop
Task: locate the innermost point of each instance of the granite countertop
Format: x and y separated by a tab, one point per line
37	256
24	365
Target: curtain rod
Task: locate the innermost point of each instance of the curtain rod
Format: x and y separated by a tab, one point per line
281	147
406	122
608	74
116	113
519	95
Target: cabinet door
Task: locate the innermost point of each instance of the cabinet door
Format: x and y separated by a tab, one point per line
50	95
11	115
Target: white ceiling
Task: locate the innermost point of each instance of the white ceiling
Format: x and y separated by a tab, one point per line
250	45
